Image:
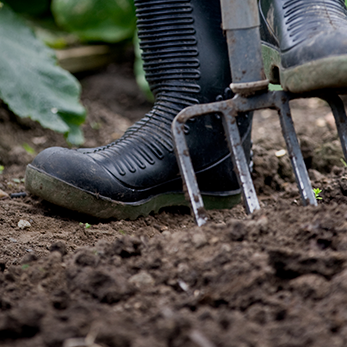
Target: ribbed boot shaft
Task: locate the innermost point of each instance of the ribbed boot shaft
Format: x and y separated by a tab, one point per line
169	51
186	63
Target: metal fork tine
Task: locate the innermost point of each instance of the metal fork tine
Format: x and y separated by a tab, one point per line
339	113
239	160
295	155
187	172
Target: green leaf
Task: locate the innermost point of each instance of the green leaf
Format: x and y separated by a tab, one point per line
53	36
96	20
316	192
28	148
75	135
31	82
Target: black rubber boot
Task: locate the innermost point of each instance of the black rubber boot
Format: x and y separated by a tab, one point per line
304	43
186	62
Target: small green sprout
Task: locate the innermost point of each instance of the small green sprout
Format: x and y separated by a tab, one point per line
28	148
86	225
25	266
2	168
343	161
316	192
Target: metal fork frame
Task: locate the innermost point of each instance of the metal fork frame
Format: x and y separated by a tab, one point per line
241	22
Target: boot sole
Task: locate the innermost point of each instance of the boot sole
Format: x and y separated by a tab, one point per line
68	196
326	73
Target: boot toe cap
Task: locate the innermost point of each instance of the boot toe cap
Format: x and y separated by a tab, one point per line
78	170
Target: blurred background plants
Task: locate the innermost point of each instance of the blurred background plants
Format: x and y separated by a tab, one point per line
31	82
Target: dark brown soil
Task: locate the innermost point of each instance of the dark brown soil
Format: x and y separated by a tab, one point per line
275	278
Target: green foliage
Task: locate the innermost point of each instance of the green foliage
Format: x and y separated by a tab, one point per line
32	7
53	36
316	192
96	20
32	84
86	225
2	168
28	148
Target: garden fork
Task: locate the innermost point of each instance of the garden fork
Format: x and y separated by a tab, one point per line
240	21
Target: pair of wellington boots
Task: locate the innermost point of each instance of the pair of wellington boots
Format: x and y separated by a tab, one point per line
186	62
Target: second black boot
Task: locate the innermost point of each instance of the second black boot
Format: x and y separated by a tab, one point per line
186	63
304	43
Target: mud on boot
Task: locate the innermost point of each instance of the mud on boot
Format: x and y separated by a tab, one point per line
304	43
186	63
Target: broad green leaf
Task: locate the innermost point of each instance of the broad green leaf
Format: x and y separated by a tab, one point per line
31	82
96	20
